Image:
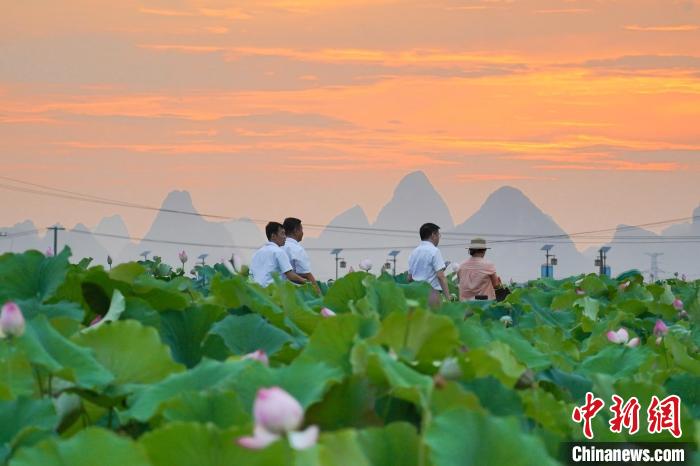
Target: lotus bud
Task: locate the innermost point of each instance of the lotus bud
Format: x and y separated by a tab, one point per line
580	292
450	369
660	329
624	285
325	312
526	380
366	265
678	304
506	320
49	252
96	320
183	257
277	411
659	340
633	343
258	355
618	337
683	277
11	320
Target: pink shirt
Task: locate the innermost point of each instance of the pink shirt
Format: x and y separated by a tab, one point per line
475	278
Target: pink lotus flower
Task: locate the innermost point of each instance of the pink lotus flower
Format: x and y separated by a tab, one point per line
258	355
325	312
621	337
678	304
278	414
11	320
182	255
366	265
660	329
351	269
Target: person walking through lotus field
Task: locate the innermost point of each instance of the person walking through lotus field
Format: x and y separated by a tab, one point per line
425	264
298	258
271	258
476	275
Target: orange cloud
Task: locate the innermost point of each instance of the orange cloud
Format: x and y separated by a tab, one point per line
670	28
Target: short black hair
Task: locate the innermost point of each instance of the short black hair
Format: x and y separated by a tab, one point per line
272	228
291	224
427	229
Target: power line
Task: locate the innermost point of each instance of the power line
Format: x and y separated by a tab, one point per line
61	193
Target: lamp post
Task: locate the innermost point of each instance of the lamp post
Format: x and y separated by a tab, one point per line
393	255
601	260
336	253
547	270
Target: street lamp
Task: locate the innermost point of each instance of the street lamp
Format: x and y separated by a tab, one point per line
338	261
392	255
547	270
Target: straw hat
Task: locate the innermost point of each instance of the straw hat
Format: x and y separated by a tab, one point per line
478	243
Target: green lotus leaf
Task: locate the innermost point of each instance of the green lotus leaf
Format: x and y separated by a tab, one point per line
419	337
47	348
188	444
87	448
31	275
133	353
462	438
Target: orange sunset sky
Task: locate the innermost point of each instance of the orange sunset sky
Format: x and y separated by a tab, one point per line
305	108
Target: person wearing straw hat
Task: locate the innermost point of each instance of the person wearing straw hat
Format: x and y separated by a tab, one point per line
476	275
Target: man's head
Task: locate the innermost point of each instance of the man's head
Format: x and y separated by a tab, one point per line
275	233
293	228
477	252
430	232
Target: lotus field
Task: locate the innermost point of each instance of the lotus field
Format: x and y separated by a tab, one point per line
143	365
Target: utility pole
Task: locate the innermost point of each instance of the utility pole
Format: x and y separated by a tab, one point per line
55	229
600	262
654	270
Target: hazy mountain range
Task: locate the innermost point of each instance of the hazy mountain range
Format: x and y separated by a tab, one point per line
507	218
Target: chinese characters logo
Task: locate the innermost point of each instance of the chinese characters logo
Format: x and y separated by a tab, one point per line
661	415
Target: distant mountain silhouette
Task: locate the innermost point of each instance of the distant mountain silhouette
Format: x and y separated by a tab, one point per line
182	228
113	225
83	244
415	202
507	214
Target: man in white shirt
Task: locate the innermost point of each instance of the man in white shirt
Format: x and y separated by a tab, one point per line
299	259
271	258
425	264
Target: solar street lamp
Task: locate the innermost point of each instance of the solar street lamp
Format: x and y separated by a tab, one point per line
547	270
339	261
392	255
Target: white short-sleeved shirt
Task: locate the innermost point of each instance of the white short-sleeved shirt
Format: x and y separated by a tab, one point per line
298	257
425	262
268	260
